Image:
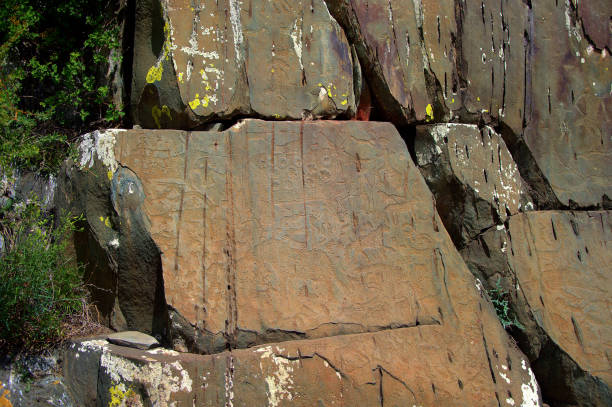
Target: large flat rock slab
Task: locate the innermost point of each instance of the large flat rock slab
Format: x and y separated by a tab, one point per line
319	234
555	266
562	263
568	121
272	231
213	60
394	367
431	60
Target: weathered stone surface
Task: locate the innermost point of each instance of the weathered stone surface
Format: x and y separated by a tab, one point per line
595	18
276	231
127	284
434	60
266	220
556	266
472	175
214	60
395	367
502	63
568	122
133	339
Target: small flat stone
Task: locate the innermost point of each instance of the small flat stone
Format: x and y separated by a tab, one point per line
133	339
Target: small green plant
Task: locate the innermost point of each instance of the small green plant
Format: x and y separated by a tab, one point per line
41	288
500	299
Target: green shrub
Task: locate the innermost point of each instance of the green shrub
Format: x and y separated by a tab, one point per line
54	55
500	299
41	288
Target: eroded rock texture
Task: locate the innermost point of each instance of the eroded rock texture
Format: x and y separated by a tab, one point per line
504	63
556	266
393	367
278	231
473	177
204	60
437	60
569	123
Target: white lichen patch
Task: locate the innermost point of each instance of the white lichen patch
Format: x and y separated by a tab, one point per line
236	27
100	145
296	37
159	379
279	382
163	351
530	390
504	376
114	243
93	345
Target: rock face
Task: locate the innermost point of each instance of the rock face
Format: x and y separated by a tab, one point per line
126	284
393	367
322	232
304	260
569	124
502	63
556	265
214	60
436	60
472	175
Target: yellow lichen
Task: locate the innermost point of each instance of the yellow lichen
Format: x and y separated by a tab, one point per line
155	73
180	77
205	101
344	102
195	102
429	112
109	174
107	222
118	394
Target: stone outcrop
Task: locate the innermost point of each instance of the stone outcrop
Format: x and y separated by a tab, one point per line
303	261
568	122
322	233
197	62
127	284
473	177
555	267
393	367
440	60
502	63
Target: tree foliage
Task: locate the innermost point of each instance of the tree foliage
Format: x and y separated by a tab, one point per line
54	56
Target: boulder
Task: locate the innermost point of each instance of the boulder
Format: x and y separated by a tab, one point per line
214	60
395	367
568	124
501	63
437	60
554	265
472	175
312	233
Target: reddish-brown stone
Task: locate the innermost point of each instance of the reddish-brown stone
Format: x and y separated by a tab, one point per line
218	59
